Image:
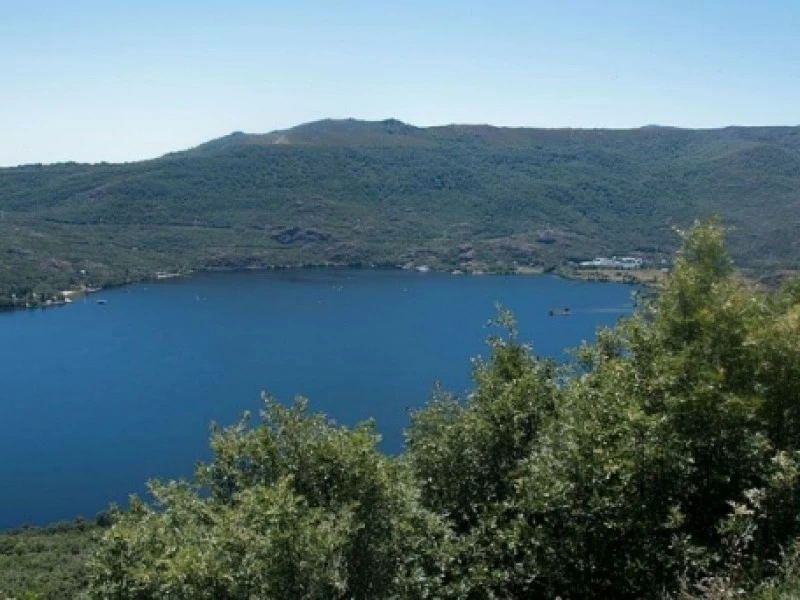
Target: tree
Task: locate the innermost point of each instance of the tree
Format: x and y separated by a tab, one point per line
297	508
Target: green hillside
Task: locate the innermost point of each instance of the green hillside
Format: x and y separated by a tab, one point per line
388	193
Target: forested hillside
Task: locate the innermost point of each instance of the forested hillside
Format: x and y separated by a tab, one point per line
387	193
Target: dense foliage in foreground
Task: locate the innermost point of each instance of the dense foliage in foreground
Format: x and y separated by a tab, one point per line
667	462
387	193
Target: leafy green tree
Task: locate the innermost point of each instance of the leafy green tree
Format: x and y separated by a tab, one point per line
463	454
296	508
623	475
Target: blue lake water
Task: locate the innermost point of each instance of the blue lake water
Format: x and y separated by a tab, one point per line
95	399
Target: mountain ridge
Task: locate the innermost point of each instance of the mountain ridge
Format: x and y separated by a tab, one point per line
391	125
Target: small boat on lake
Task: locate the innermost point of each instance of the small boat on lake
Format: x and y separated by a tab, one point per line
101	301
559	312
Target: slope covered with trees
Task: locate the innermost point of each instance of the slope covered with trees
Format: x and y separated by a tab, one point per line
665	461
388	193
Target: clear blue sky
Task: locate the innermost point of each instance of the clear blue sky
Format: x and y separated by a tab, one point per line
95	80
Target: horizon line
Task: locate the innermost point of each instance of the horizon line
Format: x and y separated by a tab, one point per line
400	122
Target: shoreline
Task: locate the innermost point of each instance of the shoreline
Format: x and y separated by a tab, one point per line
645	277
66	297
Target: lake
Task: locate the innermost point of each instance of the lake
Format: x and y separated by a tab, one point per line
96	399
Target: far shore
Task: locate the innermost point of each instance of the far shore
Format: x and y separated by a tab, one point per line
633	276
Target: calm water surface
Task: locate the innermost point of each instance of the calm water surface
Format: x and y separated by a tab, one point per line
95	399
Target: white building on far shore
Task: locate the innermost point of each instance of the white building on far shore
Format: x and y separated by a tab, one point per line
615	262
